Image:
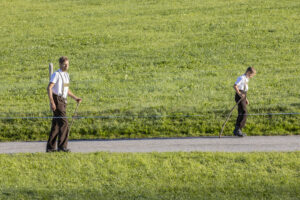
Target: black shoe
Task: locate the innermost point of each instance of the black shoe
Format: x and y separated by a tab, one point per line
51	150
64	150
236	130
240	133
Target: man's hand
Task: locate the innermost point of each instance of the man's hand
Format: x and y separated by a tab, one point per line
247	102
79	100
53	106
242	95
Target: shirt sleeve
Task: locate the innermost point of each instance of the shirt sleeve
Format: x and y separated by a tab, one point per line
54	77
239	80
68	77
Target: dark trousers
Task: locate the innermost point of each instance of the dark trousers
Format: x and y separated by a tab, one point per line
59	127
242	111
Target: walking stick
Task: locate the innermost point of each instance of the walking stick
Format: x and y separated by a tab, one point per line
50	73
229	116
74	114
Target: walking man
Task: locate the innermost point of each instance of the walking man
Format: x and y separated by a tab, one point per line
58	90
241	88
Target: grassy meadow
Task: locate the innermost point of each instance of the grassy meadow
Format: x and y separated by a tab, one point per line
150	176
150	68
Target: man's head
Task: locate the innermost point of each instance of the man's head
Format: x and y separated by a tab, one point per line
250	72
63	63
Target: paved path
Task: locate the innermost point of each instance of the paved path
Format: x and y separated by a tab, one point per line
212	144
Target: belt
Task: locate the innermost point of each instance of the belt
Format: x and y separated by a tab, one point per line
65	99
243	92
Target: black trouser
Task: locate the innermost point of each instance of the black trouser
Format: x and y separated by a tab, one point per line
59	126
242	111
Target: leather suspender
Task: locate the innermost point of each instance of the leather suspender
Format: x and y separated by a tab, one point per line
63	86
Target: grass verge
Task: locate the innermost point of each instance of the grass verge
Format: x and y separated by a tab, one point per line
150	176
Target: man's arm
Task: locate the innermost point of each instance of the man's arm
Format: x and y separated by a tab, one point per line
237	90
70	94
239	93
49	89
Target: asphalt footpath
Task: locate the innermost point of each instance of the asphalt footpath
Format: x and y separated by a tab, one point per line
201	144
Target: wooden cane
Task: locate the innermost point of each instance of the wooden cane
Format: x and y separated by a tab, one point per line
229	116
50	74
75	113
50	70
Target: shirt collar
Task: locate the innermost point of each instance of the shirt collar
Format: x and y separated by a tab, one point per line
59	70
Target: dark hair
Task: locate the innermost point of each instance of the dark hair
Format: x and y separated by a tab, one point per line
251	70
62	60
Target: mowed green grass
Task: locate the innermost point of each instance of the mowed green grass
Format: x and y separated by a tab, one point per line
150	68
150	176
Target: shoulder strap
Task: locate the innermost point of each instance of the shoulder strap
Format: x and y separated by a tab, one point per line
245	84
68	76
63	83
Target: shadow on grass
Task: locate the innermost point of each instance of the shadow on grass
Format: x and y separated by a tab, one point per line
250	192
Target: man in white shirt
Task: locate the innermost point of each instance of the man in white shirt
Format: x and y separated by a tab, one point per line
58	90
241	88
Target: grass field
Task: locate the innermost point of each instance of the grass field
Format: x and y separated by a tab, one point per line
149	66
150	176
